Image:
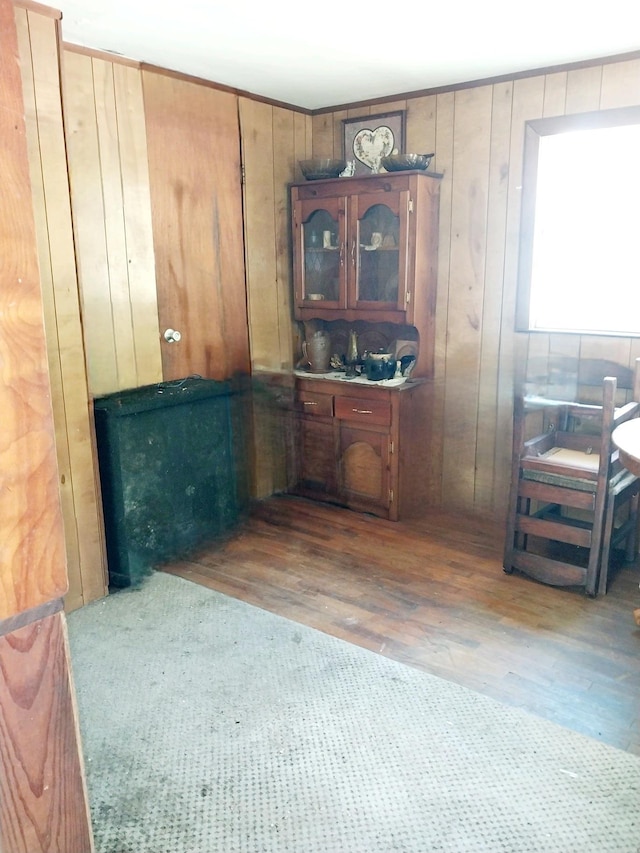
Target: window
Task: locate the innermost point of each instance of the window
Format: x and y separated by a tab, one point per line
579	268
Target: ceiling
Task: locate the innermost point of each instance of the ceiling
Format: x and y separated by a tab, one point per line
328	53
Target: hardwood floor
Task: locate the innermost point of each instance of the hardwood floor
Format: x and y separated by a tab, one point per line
432	594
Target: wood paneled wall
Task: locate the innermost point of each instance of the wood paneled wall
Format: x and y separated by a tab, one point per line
39	45
193	149
43	802
478	134
273	140
109	176
32	558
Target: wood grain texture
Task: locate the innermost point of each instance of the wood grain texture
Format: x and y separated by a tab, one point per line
105	134
431	593
470	174
273	141
85	177
42	794
193	145
489	445
38	38
40	8
478	253
32	567
620	85
138	227
260	219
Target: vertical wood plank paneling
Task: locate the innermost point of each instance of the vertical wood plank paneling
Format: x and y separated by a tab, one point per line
37	176
32	569
138	228
324	130
421	125
260	226
43	800
78	487
274	139
256	128
88	222
495	352
111	187
528	98
338	135
620	84
471	152
488	456
604	347
284	169
583	89
445	111
193	144
535	354
555	94
112	220
43	803
491	359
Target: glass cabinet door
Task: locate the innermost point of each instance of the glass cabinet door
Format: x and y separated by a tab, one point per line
320	269
379	252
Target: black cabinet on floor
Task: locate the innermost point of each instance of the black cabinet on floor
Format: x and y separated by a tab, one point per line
172	471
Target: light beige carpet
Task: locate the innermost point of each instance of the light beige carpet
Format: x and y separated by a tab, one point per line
210	726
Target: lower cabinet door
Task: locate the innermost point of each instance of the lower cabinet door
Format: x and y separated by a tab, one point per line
364	469
317	458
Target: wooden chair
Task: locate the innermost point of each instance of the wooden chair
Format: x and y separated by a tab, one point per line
570	497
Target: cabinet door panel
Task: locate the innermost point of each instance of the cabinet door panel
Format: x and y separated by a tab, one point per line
319	252
317	457
379	242
364	467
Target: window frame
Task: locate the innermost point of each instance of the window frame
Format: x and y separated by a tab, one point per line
535	130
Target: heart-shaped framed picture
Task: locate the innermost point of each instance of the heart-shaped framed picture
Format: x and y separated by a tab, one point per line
369	138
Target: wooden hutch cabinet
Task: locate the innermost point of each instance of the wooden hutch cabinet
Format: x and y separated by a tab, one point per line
365	257
364	445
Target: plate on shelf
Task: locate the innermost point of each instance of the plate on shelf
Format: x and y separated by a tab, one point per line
406	348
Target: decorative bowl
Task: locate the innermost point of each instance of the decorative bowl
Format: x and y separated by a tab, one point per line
402	162
315	170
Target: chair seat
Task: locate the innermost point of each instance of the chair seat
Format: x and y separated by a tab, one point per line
551	479
567	457
563	458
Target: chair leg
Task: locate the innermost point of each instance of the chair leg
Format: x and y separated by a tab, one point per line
599	535
606	547
510	541
631	551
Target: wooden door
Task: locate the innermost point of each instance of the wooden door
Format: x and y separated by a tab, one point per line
43	802
317	458
193	142
364	469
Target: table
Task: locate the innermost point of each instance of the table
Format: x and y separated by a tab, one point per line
626	437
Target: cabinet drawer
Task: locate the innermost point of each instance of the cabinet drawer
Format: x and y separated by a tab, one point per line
315	404
363	411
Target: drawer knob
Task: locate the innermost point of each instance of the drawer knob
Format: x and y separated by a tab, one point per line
362	411
310	403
